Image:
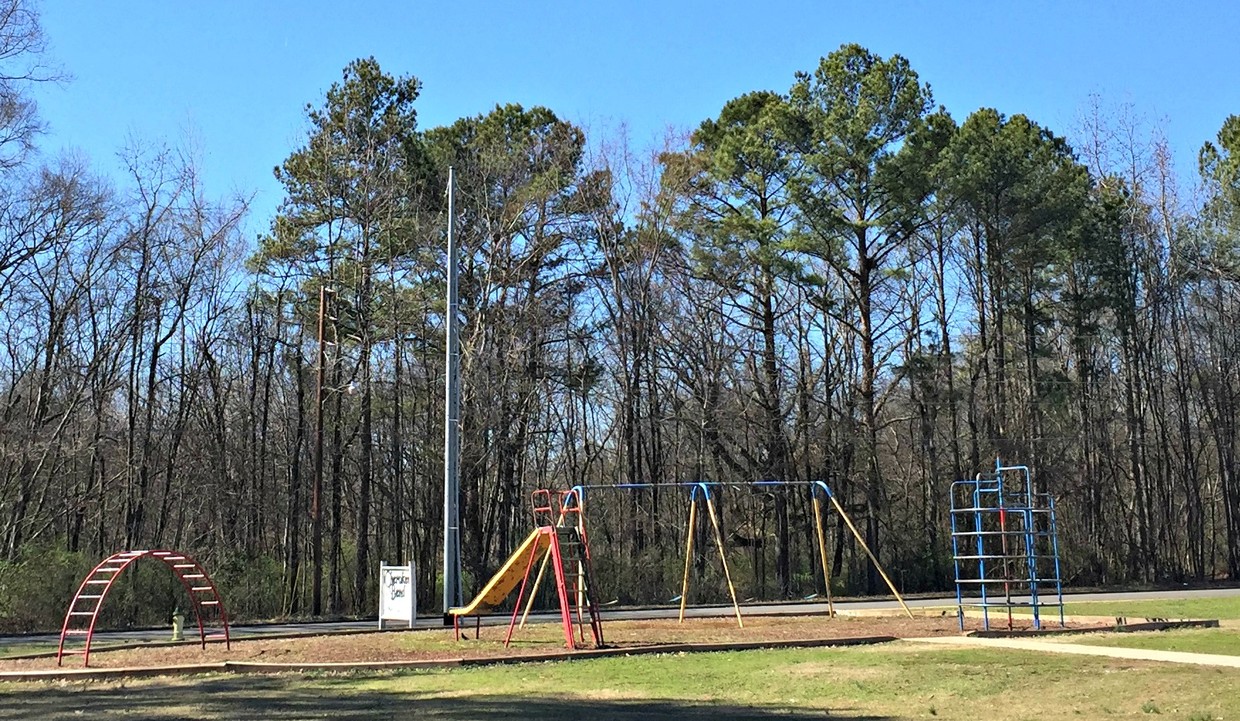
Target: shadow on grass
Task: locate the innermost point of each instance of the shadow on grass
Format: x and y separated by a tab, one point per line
284	699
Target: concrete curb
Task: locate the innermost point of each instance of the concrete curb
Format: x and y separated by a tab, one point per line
242	667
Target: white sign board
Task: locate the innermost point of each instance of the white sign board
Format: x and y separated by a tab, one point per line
398	594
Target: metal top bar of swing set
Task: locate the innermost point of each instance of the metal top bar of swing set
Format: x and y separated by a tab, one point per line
703	484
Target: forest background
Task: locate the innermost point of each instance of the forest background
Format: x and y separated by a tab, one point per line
837	280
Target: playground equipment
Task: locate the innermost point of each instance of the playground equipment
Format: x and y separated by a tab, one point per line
559	539
820	486
707	490
1004	535
84	609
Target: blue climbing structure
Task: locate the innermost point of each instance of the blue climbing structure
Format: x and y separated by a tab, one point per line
1005	546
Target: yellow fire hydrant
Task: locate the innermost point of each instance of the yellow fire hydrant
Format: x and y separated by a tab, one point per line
178	625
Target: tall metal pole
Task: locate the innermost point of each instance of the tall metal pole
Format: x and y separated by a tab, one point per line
316	493
452	424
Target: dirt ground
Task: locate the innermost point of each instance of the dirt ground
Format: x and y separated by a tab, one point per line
540	639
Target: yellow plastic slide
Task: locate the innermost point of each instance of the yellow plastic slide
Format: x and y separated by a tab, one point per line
509	576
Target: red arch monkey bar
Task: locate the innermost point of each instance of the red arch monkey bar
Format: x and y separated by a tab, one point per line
84	609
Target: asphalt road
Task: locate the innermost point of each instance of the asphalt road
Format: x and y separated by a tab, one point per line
769	609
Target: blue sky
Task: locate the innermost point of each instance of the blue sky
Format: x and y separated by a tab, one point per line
234	77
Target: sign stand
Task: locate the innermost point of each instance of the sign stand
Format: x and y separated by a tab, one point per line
398	594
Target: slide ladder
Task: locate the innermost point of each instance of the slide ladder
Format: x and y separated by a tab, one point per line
574	578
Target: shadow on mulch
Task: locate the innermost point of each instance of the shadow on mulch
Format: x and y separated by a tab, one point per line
273	698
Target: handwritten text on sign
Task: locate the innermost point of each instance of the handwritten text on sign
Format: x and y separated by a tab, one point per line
397	594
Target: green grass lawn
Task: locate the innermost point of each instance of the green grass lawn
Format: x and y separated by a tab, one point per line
896	681
1197	608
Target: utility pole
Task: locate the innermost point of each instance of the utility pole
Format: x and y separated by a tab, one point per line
316	494
452	425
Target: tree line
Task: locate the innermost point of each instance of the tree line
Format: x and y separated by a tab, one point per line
836	281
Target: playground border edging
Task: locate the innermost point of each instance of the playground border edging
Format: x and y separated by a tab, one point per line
1113	628
243	667
130	645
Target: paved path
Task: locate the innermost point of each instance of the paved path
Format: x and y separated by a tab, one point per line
1136	654
769	609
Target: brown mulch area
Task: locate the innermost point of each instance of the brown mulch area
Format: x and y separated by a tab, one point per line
539	639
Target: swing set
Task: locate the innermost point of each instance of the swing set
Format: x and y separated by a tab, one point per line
704	492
